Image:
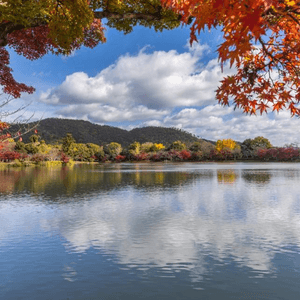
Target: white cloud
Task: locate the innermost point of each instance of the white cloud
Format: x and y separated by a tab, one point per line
165	89
158	80
106	113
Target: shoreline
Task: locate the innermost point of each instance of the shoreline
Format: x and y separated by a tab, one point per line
72	163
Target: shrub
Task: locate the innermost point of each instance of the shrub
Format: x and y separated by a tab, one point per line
17	163
224	154
197	156
176	155
142	156
280	154
8	156
38	158
185	155
64	158
120	158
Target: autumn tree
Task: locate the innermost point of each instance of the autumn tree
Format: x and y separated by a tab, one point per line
113	149
261	39
34	28
251	146
67	143
177	145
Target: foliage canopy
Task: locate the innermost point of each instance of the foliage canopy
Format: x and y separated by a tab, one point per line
261	39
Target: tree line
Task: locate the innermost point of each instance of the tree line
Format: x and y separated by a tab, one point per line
38	151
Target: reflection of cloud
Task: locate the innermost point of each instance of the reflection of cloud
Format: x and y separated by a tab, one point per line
173	227
69	273
182	226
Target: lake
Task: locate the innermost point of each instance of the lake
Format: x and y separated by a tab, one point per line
151	231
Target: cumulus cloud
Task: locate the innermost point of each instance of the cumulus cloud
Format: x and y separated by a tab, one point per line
108	113
217	122
168	89
156	80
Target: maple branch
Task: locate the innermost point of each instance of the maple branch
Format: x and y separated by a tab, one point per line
7	28
266	50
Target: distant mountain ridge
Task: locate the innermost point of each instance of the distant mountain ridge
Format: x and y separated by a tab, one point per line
53	130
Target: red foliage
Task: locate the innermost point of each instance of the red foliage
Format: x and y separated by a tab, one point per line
8	156
35	42
64	158
185	154
141	156
224	154
10	86
279	154
38	157
119	158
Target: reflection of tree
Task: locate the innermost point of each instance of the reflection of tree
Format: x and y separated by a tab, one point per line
83	179
256	176
163	227
8	181
226	176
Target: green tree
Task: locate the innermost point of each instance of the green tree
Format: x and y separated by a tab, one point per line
113	149
20	147
31	148
195	147
67	143
202	146
146	147
250	146
134	148
34	138
177	145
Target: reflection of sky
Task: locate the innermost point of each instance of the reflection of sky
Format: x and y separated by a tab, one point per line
249	221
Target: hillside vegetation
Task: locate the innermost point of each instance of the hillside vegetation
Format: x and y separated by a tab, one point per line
53	130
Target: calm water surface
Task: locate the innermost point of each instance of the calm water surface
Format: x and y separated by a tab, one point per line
151	231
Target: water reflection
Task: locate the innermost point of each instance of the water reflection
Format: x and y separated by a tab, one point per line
226	176
259	177
85	179
168	216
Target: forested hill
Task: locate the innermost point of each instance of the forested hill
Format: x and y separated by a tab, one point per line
52	130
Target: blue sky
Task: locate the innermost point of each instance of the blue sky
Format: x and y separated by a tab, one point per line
145	78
